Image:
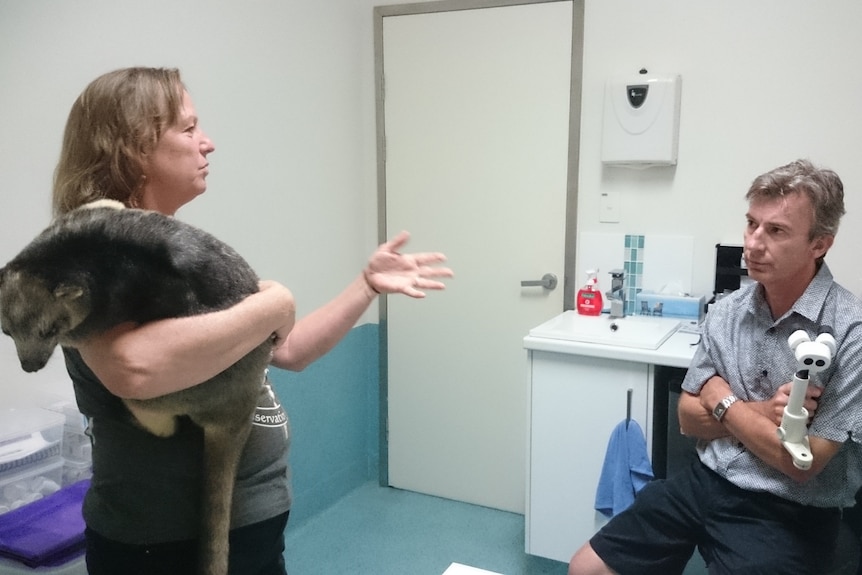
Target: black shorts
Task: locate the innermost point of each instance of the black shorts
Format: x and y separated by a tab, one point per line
735	530
256	549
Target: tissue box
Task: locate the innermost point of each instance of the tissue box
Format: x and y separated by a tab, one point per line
690	307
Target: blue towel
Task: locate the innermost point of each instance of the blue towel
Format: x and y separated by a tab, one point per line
47	532
626	469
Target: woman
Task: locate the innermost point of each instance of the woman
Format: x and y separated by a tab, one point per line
133	136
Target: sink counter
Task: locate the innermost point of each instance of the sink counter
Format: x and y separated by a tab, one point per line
583	378
674	351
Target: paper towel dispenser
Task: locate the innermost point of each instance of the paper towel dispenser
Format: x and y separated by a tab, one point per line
641	120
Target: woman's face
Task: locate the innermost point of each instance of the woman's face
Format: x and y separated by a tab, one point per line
176	168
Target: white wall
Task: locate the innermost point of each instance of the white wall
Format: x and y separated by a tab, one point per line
763	83
285	89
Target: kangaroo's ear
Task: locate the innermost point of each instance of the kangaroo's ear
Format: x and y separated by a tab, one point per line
68	291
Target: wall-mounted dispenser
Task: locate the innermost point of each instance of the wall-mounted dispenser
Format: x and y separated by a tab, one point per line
641	120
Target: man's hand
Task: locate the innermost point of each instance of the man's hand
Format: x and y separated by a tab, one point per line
773	408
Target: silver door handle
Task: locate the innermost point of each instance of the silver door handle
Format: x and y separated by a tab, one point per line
548	281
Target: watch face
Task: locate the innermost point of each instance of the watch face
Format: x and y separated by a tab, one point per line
722	406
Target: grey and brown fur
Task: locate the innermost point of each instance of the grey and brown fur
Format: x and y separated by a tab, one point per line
95	268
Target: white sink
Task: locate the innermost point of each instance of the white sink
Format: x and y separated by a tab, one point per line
640	331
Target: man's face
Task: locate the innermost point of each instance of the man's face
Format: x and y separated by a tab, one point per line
778	249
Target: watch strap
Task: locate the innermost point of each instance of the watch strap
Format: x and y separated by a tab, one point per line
722	406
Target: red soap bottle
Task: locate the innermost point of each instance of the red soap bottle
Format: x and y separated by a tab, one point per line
589	300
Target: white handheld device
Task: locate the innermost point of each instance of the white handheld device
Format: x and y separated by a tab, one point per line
811	357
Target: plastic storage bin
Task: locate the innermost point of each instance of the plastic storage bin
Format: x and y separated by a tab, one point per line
29	435
76	446
75	471
29	483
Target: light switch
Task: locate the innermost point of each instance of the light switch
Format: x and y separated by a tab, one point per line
609	208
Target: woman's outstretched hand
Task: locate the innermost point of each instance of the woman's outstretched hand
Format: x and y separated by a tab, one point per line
390	271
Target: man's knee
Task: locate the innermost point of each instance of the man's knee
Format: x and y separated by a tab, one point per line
585	561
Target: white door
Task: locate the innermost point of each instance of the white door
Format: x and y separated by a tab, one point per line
476	121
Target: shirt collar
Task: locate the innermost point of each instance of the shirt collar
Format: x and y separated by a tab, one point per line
809	304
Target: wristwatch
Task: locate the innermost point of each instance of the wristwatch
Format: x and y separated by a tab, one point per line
721	408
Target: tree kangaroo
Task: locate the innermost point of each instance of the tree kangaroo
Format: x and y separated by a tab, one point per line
101	265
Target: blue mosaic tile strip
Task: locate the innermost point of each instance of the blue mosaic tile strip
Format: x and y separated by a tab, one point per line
634	268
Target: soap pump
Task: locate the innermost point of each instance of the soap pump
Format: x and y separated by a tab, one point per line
589	300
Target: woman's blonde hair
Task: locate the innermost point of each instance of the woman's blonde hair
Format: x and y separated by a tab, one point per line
118	118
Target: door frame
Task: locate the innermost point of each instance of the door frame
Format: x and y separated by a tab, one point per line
570	273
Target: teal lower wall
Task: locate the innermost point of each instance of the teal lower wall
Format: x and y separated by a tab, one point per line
333	407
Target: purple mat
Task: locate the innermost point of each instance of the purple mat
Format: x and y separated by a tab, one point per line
47	532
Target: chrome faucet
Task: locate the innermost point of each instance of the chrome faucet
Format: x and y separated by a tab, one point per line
616	295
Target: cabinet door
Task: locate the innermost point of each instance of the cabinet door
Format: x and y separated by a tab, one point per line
575	403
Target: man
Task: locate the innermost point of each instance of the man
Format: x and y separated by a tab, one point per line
744	505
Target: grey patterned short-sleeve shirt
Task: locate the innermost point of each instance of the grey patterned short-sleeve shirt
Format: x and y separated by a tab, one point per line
744	345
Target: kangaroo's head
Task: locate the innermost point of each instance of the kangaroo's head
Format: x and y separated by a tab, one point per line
38	316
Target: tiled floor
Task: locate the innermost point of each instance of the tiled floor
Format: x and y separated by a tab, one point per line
383	531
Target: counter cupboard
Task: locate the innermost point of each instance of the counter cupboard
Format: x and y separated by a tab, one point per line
577	394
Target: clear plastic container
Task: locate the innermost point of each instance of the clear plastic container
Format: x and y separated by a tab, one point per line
29	483
75	471
29	435
77	446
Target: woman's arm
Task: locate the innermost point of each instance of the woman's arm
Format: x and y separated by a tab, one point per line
161	357
388	271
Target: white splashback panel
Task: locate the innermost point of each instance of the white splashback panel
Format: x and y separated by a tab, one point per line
667	260
601	251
